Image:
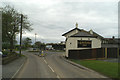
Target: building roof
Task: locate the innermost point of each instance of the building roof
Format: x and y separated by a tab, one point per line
71	31
83	34
95	34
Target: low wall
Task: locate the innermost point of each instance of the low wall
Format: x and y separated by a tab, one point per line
9	58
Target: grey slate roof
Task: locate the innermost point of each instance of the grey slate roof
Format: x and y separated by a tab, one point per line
95	34
71	31
83	34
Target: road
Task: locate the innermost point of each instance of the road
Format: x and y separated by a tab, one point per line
52	66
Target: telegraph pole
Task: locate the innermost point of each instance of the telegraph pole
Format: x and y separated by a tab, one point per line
21	35
0	29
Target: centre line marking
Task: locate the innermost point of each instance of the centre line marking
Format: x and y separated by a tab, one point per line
58	76
45	61
51	68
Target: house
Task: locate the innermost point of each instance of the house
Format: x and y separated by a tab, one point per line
111	42
78	39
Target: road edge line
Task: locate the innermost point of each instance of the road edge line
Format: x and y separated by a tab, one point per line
19	68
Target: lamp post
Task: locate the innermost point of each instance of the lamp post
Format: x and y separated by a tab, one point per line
35	37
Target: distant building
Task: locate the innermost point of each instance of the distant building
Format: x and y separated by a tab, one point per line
49	47
56	46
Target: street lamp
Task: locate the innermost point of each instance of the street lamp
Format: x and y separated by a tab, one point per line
35	41
35	37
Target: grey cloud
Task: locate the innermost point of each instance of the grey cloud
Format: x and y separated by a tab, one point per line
52	20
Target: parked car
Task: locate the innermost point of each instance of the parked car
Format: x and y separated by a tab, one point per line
1	53
34	49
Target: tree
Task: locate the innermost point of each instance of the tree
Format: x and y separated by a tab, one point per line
11	20
40	45
27	42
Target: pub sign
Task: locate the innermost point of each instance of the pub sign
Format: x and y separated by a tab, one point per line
84	44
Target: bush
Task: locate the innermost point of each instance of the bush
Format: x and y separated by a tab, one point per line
5	52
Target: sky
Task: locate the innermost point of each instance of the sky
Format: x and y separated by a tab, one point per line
52	18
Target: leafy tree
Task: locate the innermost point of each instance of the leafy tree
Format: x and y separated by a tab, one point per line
11	20
40	45
27	42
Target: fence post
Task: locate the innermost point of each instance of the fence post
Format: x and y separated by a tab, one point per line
106	53
118	53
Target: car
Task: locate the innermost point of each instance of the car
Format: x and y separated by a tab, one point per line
34	49
1	53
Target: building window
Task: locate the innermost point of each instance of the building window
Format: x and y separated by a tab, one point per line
84	43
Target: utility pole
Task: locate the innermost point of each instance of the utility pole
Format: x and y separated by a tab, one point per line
0	29
21	35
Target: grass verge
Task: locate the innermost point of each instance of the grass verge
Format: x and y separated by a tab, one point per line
56	50
106	68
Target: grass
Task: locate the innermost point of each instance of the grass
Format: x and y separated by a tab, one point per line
56	50
106	68
34	51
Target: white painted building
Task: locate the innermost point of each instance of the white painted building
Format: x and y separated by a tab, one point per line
77	39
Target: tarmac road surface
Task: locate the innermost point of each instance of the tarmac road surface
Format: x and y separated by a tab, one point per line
52	66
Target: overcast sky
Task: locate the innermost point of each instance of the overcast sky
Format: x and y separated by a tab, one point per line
52	18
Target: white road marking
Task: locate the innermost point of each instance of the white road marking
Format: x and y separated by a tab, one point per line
51	68
58	76
45	61
43	58
17	71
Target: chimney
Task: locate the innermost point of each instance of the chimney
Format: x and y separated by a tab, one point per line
76	27
113	37
91	31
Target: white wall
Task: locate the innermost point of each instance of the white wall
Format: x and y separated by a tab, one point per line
71	43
